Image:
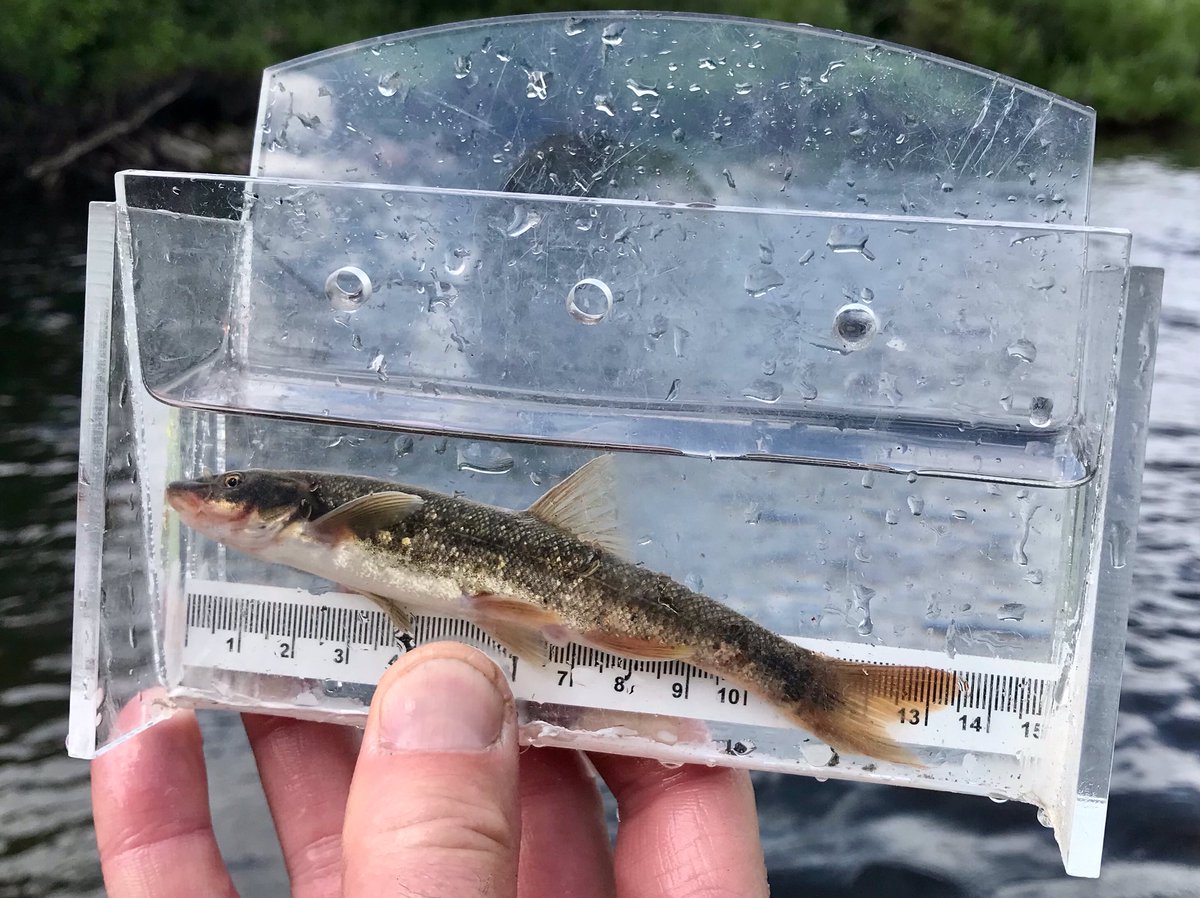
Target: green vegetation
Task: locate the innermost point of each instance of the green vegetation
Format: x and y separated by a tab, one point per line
67	65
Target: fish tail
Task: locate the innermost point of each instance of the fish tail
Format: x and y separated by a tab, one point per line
856	702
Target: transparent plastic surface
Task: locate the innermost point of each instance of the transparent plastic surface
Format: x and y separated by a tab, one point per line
832	306
907	344
687	108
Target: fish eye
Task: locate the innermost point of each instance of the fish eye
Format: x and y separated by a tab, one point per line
233	481
306	508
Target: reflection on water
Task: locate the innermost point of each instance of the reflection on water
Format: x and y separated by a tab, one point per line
826	840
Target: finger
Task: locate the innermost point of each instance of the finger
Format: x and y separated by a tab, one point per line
433	807
685	831
305	768
564	839
153	826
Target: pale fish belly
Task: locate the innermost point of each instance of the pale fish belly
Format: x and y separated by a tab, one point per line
357	570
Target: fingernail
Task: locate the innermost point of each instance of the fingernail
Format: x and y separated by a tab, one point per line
442	704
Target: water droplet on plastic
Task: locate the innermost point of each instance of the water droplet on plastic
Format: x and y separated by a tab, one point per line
1023	350
356	343
959	514
679	338
855	325
916	506
439	448
951	642
641	90
348	288
742	89
1040	411
535	88
1035	577
123	393
612	35
589	301
862	603
832	67
379	366
389	84
403	446
762	279
997	797
481	458
454	262
1013	611
1043	817
604	103
849	238
574	26
766	391
462	66
806	391
677	135
673	390
891	516
522	219
868	480
1118	544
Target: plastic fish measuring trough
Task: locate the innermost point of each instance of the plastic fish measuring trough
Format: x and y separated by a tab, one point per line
834	306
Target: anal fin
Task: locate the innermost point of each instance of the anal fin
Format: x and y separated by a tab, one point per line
634	647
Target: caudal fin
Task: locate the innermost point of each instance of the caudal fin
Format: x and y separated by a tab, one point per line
864	699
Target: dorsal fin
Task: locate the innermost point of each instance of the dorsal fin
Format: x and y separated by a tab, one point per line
584	504
367	514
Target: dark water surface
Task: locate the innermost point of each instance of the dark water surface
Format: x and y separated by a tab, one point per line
823	840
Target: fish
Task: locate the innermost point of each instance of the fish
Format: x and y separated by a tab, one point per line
560	570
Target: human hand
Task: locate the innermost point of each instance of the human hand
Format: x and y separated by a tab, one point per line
438	802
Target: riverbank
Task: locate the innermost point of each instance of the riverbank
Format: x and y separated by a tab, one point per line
169	84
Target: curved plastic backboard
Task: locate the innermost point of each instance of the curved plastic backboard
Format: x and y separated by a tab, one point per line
683	108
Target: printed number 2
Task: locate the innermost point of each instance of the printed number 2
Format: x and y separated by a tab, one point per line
285	650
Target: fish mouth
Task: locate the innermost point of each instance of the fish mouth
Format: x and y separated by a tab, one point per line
187	496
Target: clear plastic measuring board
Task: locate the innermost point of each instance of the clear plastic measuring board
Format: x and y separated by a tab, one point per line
866	374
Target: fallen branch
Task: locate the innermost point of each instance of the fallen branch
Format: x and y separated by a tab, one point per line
47	170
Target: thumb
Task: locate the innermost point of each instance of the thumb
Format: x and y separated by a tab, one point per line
433	807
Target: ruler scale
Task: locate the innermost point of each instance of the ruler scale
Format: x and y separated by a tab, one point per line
345	638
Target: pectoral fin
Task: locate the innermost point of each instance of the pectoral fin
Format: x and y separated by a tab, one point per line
366	515
400	617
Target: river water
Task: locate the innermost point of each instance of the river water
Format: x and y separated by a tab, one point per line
823	840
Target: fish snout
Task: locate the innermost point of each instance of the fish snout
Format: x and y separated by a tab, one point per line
187	496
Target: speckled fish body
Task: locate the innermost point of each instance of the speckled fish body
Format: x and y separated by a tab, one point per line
556	571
